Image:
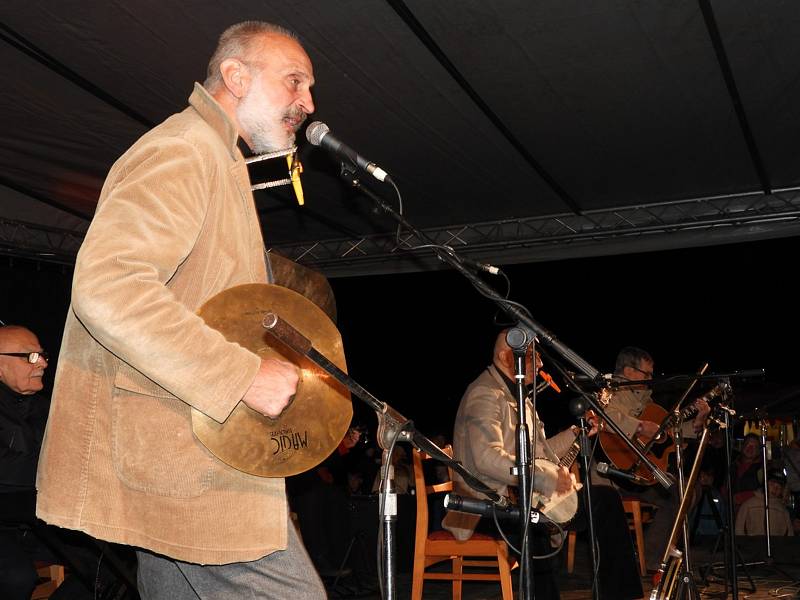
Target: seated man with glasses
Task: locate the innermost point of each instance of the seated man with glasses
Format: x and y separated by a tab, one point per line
23	414
625	406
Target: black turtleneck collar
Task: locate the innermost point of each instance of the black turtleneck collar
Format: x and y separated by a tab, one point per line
244	148
510	383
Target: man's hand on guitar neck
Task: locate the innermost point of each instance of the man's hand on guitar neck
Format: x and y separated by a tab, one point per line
592	421
702	412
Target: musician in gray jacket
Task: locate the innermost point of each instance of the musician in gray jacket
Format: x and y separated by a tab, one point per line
484	440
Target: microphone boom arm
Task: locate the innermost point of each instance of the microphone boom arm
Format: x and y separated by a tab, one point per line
543	335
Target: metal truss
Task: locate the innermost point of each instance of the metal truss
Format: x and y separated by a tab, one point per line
37	242
550	237
518	240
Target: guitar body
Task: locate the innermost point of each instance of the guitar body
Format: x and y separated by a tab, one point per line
623	458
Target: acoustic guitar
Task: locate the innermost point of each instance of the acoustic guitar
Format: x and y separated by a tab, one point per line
659	449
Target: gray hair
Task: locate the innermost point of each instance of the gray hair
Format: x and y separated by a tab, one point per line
237	42
631	356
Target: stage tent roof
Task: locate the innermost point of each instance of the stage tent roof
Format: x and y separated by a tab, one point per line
516	131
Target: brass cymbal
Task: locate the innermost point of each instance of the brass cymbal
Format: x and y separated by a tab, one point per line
312	426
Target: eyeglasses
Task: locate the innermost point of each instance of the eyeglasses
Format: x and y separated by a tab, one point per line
32	357
647	374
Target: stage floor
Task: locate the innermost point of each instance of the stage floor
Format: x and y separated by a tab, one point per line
770	582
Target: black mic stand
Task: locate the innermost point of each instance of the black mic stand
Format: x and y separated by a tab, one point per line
388	508
578	408
731	551
519	339
520	316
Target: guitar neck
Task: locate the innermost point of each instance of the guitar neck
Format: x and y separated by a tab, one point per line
691	410
571	454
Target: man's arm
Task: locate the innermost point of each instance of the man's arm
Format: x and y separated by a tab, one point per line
145	228
484	421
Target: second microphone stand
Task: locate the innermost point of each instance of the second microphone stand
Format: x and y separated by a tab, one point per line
520	340
578	408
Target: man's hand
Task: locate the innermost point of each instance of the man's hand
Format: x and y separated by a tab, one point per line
593	421
702	412
566	481
273	388
647	429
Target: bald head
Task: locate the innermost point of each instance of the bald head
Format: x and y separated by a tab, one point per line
11	334
16	372
240	41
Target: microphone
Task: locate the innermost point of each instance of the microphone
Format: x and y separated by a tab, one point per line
320	134
488	508
605	469
295	168
479	265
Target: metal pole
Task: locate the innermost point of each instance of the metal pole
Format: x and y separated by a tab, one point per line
389	518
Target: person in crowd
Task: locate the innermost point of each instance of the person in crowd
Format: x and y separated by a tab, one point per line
625	407
319	497
23	415
175	225
708	507
791	463
750	519
484	441
746	470
403	473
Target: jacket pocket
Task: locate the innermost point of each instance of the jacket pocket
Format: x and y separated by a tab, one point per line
153	448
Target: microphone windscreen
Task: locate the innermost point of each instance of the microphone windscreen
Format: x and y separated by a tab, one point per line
316	131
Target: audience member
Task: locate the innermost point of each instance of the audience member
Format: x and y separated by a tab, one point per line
746	476
23	415
750	520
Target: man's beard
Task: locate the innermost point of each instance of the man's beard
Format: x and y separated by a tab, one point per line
263	124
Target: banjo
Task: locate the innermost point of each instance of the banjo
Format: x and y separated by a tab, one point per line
562	507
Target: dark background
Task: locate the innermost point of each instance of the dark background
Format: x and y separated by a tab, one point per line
417	340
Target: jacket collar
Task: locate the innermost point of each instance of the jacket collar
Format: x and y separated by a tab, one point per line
212	113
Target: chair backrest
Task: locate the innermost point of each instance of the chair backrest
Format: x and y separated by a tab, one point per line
423	490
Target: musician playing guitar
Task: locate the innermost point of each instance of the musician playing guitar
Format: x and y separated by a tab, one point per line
629	407
484	441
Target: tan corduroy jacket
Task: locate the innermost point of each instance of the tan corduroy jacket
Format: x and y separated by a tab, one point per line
175	225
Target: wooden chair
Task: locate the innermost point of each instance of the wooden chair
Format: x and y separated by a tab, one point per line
636	520
54	576
437	546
